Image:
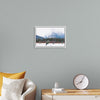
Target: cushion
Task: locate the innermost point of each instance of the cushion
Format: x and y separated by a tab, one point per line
11	76
12	89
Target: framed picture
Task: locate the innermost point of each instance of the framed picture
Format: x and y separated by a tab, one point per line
50	36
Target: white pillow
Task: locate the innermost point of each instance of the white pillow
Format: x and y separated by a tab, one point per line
12	88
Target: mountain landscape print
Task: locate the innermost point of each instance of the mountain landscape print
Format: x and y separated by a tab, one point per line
50	36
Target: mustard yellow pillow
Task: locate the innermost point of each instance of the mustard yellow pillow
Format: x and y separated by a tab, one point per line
10	75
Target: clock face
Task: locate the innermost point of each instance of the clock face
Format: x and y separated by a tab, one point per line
81	81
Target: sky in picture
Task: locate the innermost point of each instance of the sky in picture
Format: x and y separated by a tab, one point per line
45	32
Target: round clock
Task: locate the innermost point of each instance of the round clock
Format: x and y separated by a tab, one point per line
81	81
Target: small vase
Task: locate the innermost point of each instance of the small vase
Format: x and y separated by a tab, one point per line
56	85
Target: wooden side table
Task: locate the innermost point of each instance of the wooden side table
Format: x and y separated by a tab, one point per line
71	94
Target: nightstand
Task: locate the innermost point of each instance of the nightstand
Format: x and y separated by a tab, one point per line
71	94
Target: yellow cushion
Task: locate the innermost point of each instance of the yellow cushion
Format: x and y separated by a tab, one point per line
10	75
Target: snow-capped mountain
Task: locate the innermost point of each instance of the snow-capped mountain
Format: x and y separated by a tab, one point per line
56	35
39	37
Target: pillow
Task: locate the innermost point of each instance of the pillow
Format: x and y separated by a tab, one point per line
11	76
12	88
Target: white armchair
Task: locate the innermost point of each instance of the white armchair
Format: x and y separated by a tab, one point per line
29	91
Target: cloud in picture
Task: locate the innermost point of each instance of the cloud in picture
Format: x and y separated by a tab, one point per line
50	32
